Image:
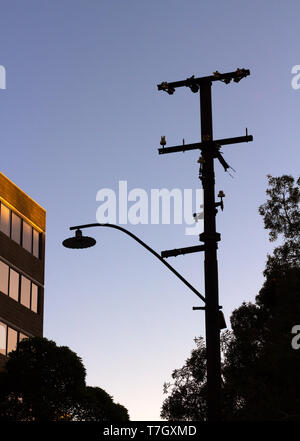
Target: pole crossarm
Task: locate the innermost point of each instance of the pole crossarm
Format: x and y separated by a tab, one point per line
137	239
217	76
180	251
205	144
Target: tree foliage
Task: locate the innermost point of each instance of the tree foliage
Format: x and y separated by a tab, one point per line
98	405
260	369
42	381
281	214
46	382
187	400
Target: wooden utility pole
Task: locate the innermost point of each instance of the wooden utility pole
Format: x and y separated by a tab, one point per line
210	149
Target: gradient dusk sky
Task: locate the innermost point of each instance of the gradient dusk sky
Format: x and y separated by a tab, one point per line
81	112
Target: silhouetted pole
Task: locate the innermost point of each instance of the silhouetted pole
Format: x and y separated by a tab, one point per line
209	237
210	149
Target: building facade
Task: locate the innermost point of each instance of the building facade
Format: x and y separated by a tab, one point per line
22	262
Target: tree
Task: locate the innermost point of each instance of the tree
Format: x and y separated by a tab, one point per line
281	214
187	399
41	381
46	382
260	369
98	405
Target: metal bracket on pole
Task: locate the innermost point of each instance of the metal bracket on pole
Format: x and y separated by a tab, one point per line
222	322
204	237
180	251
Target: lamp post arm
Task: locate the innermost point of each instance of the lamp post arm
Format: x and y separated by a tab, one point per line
117	227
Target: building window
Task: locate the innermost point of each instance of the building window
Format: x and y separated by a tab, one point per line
5	220
27	237
3	331
22	336
34	297
19	287
19	230
36	243
14	278
16	228
25	291
12	340
4	277
9	338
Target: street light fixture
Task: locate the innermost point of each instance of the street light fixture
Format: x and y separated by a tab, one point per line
80	241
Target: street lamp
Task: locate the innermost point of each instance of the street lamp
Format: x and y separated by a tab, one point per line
79	241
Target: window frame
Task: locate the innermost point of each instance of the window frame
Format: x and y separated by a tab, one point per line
31	284
11	227
7	293
9	210
18	331
23	298
9	332
38	243
19	284
29	235
37	297
22	221
5	349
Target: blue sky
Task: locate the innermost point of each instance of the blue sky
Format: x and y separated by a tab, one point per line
81	112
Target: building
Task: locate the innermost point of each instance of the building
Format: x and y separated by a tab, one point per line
22	259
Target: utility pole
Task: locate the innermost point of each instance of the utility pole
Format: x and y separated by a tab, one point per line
210	149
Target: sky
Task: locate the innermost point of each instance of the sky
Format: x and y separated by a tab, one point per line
81	112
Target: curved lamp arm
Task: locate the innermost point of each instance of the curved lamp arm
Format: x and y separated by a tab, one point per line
117	227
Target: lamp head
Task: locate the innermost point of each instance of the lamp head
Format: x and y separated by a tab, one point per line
79	241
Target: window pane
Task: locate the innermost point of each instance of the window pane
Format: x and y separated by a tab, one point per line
14	285
3	277
15	228
5	220
25	291
34	297
3	338
27	236
12	340
22	336
36	243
